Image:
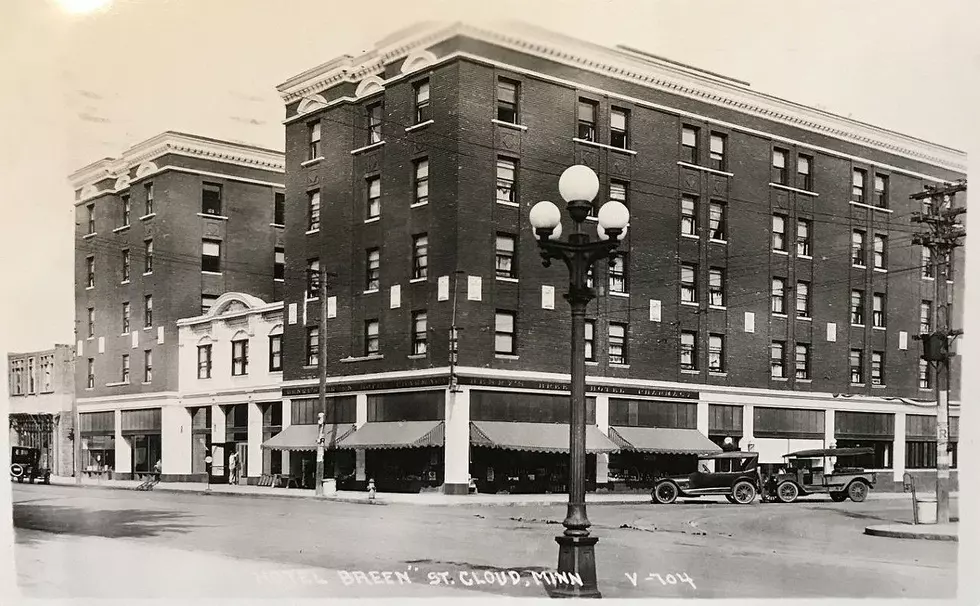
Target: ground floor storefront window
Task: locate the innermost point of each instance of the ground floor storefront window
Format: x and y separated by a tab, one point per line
404	469
271	426
146	452
503	471
641	469
881	458
200	438
338	464
98	453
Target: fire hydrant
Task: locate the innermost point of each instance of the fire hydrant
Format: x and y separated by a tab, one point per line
371	490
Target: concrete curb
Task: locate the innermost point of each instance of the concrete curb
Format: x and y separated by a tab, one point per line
896	531
247	495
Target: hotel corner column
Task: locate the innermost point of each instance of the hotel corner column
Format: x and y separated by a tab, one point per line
898	448
602	422
748	427
124	450
175	440
254	464
287	420
218	431
457	445
360	474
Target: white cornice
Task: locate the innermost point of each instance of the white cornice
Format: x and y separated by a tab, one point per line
626	66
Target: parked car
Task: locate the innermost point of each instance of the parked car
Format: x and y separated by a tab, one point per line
26	464
736	476
805	473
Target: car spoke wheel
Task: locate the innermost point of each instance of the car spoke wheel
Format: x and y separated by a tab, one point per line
787	492
743	492
17	470
665	493
837	496
858	491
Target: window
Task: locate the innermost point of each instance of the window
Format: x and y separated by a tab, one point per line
507	95
617	273
312	278
689	144
374	123
422	111
147	366
717	222
857	307
777	361
211	256
689	285
778	296
617	343
147	311
125	265
803	238
374	197
312	345
421	181
211	199
31	380
279	208
47	371
504	333
313	212
618	191
689	216
927	269
279	264
779	232
147	256
858	258
16	377
779	166
420	256
689	350
239	357
881	191
506	173
857	366
91	322
618	128
314	130
803	299
716	287
125	318
419	332
946	266
275	353
717	151
878	310
204	361
124	374
90	382
857	185
207	302
804	177
880	244
372	344
148	190
90	209
127	211
90	272
587	111
506	268
925	317
877	368
925	377
802	361
373	274
716	353
590	341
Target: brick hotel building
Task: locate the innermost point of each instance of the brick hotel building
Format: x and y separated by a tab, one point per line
769	290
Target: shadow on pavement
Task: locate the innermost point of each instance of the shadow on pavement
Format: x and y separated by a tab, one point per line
116	523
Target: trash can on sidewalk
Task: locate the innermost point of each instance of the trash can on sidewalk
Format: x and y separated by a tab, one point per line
926	510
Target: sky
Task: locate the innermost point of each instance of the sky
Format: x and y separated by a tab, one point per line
77	88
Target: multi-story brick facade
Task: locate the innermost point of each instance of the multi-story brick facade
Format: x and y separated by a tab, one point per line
162	232
435	145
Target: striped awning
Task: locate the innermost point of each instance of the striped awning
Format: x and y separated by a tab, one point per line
396	434
534	437
303	437
663	440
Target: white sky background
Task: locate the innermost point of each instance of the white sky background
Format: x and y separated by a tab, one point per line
79	88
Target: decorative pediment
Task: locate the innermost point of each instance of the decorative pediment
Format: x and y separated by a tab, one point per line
311	104
205	340
89	191
122	182
418	60
145	169
276	330
369	86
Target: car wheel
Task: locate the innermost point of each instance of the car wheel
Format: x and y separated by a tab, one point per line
837	496
787	492
743	492
665	493
858	491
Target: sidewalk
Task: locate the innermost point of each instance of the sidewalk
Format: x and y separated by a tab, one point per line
930	532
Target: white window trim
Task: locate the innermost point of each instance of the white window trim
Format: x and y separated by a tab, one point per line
417	280
211	273
417	356
804	380
857	325
879	328
794	189
690	371
409	129
714	241
705	169
691	236
778	378
506	203
218	217
312	231
804	318
720	307
505	279
90	235
311	161
375	356
121	228
857	266
93	288
359	150
117	384
614	293
715	373
373	219
780	252
690	303
779	315
418	204
881	270
508	124
877	208
604	146
277	225
124	282
882	386
588	363
617	365
810	257
149	216
367	292
501	356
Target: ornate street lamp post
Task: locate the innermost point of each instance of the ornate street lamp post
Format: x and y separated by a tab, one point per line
578	186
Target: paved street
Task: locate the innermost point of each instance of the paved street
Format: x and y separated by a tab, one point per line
114	543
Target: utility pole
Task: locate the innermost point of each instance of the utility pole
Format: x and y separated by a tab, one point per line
321	358
454	342
76	433
942	236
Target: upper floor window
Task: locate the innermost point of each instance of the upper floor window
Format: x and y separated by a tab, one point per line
374	112
877	368
312	345
689	350
314	131
420	256
925	377
717	151
419	332
618	128
147	365
618	191
881	191
507	97
90	210
617	273
717	221
148	191
422	110
716	287
372	342
47	372
147	256
124	374
803	299
927	269
880	251
373	276
125	318
779	166
858	257
587	111
802	361
689	144
125	265
211	256
421	181
312	278
127	210
90	272
857	185
689	215
313	210
16	377
90	372
716	353
239	357
804	175
778	296
279	208
878	310
777	359
279	264
925	317
506	177
803	238
506	268
689	285
207	302
590	341
91	322
617	343
211	199
504	333
275	353
31	376
857	307
779	232
147	311
374	197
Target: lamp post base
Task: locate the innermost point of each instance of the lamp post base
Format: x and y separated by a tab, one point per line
576	560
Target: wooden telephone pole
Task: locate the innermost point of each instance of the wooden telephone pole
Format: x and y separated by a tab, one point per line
321	357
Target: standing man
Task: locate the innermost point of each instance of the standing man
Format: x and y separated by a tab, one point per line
233	468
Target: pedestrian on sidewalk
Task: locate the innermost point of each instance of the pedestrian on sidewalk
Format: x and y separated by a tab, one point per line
233	468
157	468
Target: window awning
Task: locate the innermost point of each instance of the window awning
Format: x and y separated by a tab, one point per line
303	437
535	437
663	440
396	434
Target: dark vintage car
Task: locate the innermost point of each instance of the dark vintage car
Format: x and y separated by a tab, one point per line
809	472
26	464
735	475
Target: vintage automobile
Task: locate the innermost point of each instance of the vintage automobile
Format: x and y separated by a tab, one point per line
805	473
26	464
735	475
